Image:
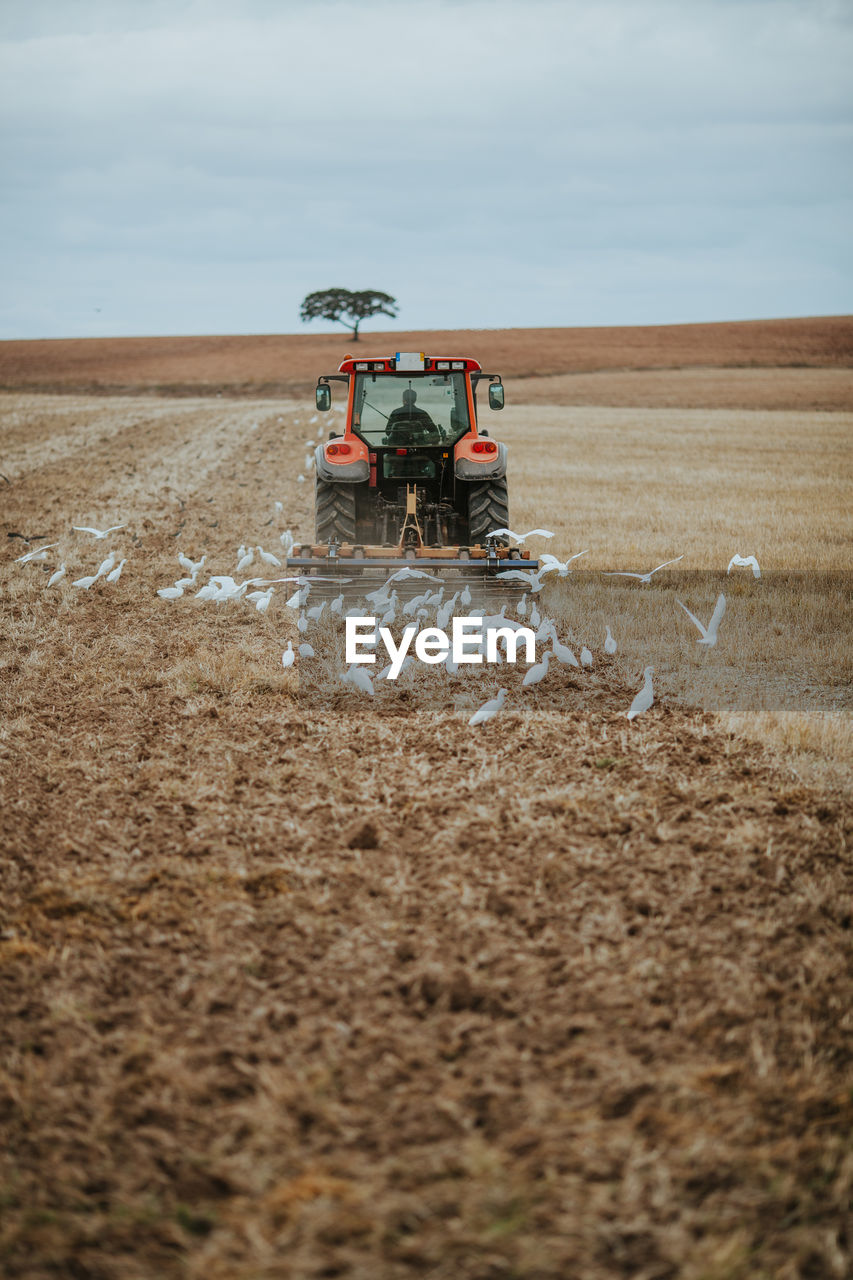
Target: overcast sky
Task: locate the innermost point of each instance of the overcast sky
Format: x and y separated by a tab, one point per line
199	166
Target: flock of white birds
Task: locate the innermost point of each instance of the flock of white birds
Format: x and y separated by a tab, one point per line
430	607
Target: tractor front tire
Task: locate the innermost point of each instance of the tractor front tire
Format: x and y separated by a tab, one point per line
488	509
334	512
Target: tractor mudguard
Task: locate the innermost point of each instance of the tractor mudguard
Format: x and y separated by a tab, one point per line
356	472
494	469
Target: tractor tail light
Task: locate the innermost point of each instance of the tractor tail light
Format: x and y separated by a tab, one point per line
332	449
484	446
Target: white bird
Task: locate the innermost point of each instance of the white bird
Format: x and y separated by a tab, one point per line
244	560
445	612
535	616
745	562
552	565
586	657
337	605
58	576
402	574
489	709
115	574
644	577
40	553
185	582
279	507
708	635
562	652
521	537
286	540
609	642
192	567
85	583
309	444
298	598
532	581
644	699
306	651
309	461
300	479
106	565
316	613
390	614
288	657
521	607
358	677
169	593
269	558
97	532
261	599
537	672
465	597
302	624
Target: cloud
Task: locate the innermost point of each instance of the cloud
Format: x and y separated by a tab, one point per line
394	146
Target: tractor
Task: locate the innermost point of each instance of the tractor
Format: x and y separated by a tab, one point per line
412	474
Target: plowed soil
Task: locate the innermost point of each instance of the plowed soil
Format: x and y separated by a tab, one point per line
295	983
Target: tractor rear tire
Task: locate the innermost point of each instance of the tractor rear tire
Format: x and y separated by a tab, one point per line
334	512
488	509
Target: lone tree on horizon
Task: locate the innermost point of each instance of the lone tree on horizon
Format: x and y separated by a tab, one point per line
347	307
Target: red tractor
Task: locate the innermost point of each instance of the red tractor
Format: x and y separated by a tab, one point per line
412	474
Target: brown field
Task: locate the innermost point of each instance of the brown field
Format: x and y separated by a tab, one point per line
297	984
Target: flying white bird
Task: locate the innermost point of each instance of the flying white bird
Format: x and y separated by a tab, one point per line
531	580
402	574
609	642
97	532
520	537
550	564
708	635
269	558
306	651
40	553
58	576
115	574
537	672
358	677
644	698
172	593
489	709
288	657
745	562
586	657
645	577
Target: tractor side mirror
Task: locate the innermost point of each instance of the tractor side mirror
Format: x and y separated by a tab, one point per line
323	398
496	395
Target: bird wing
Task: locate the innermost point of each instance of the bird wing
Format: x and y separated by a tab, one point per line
577	555
84	528
516	537
717	616
667	562
693	618
538	533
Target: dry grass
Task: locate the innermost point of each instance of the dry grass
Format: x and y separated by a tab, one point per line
295	984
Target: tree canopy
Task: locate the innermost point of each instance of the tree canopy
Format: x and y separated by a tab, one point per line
346	307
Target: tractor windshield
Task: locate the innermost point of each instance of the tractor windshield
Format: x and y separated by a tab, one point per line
410	409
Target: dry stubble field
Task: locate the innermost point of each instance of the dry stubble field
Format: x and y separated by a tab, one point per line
294	985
